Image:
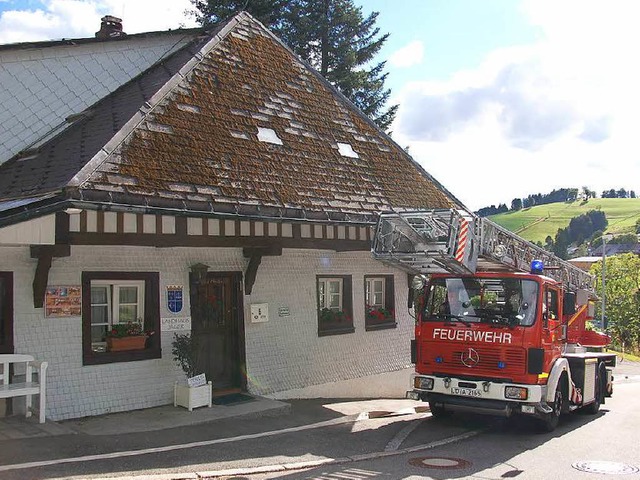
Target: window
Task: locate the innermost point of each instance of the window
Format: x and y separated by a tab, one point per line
379	298
113	298
334	305
552	304
114	302
330	293
508	300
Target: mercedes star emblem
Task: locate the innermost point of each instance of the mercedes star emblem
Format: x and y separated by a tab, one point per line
470	358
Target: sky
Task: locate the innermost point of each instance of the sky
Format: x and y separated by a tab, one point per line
497	99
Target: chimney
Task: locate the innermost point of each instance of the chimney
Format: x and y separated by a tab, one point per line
110	27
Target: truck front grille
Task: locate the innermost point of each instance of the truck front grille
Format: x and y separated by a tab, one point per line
477	360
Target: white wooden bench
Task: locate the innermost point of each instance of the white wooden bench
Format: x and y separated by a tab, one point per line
24	366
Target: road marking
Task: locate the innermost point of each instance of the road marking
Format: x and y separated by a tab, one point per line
168	448
402	435
205	443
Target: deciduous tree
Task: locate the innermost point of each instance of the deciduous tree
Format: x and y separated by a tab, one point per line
622	298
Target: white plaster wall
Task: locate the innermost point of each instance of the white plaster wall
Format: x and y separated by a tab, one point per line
383	385
286	353
283	355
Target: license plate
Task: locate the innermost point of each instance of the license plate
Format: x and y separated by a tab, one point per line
465	392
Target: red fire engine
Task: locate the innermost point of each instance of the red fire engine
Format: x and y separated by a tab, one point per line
500	322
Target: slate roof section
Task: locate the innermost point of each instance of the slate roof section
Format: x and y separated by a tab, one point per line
184	136
43	83
57	161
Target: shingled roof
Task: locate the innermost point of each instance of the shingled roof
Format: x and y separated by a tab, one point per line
234	123
44	83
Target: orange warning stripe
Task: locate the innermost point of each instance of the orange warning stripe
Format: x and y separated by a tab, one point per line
463	234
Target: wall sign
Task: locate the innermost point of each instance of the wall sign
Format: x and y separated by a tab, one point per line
63	301
174	298
173	324
259	312
283	311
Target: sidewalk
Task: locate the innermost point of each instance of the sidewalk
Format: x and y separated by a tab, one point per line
168	416
146	420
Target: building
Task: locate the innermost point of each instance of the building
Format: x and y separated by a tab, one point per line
203	182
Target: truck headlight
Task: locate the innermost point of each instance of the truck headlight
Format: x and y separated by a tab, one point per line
423	383
516	393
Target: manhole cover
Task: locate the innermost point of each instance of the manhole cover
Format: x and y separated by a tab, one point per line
606	468
442	463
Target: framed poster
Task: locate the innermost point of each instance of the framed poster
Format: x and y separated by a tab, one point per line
63	301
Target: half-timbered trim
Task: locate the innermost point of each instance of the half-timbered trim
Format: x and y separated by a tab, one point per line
45	255
164	230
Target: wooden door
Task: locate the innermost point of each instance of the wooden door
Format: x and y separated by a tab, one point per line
218	330
6	312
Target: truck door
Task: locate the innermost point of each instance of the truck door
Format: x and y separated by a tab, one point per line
551	324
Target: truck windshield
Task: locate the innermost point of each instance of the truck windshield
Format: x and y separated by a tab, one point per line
506	301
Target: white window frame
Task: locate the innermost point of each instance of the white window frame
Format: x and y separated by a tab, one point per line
324	299
370	291
113	311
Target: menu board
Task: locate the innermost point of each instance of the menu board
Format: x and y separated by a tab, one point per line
63	301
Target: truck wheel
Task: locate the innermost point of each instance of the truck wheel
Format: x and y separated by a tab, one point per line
551	420
438	411
601	378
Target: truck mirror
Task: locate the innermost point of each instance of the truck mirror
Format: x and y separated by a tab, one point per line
569	303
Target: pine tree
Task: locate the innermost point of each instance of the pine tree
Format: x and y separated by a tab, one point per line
333	36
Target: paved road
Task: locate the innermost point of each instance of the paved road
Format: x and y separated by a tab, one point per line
338	432
604	444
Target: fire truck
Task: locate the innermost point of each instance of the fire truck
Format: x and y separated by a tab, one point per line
500	322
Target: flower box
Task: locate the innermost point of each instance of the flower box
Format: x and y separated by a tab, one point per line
192	397
122	344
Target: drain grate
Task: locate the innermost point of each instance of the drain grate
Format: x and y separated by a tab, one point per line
605	468
441	463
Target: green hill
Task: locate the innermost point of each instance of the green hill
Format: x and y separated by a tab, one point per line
535	223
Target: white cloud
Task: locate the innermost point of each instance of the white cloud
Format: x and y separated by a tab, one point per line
55	19
559	113
407	56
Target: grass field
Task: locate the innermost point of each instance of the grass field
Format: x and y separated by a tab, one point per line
535	223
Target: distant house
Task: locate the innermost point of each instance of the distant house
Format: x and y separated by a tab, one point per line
202	182
585	263
618	249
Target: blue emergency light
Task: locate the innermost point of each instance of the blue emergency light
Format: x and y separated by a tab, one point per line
537	266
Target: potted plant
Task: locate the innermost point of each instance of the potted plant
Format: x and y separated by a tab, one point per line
127	336
329	316
379	315
195	391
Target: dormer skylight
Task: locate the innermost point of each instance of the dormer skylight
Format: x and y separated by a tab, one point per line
268	135
346	150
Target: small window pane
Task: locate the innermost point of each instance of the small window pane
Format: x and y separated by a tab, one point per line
128	313
99	295
98	333
128	295
334	287
334	302
99	314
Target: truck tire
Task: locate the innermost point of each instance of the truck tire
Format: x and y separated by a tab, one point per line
601	378
550	421
438	411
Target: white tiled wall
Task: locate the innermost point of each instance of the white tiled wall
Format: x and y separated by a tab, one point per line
283	354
